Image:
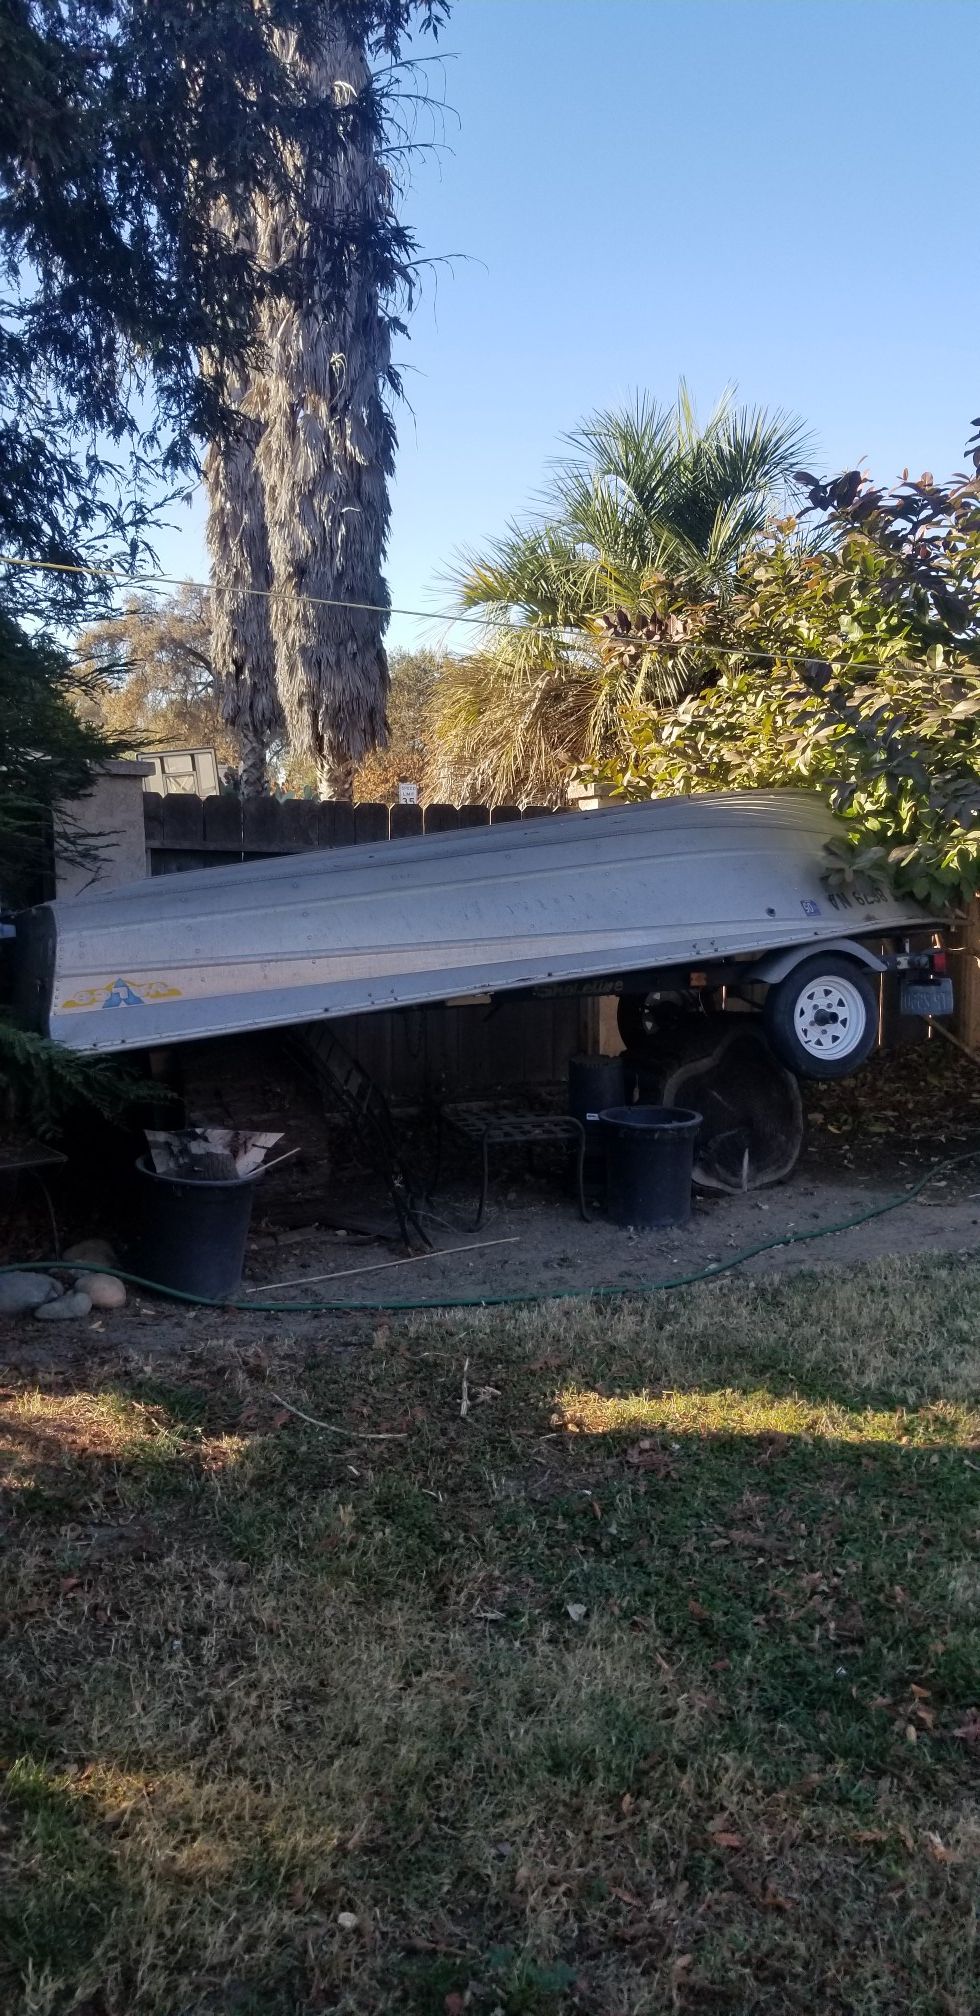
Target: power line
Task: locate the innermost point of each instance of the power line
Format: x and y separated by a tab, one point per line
567	632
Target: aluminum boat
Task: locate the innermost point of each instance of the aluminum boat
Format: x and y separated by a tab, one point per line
576	898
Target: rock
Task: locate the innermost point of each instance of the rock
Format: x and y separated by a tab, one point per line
67	1306
22	1292
93	1253
104	1291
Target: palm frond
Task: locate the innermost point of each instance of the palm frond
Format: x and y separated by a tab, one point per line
648	510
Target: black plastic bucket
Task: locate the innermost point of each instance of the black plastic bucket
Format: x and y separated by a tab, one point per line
192	1234
594	1083
649	1164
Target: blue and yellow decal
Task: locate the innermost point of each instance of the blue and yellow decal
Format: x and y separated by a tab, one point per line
121	993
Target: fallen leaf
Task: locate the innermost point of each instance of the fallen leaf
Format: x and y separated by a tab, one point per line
70	1582
938	1850
969	1729
576	1611
646	1456
348	1920
696	1609
721	1840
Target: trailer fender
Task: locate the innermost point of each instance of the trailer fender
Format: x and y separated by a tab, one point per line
775	965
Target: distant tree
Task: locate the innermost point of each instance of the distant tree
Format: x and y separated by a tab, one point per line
408	754
149	674
407	759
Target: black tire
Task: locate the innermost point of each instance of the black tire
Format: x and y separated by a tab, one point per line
829	987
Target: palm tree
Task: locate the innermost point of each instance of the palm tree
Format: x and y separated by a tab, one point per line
638	543
326	446
241	630
299	494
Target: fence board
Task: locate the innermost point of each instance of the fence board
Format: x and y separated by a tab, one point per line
223	823
370	823
335	825
261	826
183	821
440	818
474	815
299	825
404	822
153	818
501	815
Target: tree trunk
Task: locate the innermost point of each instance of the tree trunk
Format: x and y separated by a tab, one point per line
335	774
326	448
254	766
241	572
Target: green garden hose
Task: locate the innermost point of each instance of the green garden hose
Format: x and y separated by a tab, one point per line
528	1295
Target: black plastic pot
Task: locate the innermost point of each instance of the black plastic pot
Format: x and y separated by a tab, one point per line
594	1083
649	1164
192	1234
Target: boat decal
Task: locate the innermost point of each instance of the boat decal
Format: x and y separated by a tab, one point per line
809	907
121	993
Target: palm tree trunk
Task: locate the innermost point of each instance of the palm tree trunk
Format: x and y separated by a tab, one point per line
327	444
335	774
254	765
241	573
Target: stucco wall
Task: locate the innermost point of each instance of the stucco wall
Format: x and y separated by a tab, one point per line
113	815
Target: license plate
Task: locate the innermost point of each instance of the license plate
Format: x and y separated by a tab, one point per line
927	997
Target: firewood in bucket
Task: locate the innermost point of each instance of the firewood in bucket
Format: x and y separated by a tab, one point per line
208	1154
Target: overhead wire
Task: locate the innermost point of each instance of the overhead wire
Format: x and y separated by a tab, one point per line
566	631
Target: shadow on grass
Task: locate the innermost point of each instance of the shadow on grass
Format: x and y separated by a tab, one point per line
639	1666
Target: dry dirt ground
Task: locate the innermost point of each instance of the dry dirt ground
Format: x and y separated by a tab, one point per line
870	1138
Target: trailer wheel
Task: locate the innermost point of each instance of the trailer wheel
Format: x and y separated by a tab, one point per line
822	1020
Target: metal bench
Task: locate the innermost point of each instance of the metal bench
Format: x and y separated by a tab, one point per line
487	1126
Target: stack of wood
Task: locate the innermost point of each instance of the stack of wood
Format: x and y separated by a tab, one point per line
209	1154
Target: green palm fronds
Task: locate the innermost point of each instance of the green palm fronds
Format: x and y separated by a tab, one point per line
641	529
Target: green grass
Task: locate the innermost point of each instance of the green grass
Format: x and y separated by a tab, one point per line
649	1682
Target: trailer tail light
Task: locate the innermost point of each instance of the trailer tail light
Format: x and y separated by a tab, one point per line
938	962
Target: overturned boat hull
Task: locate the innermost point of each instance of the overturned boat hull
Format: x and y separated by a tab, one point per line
553	901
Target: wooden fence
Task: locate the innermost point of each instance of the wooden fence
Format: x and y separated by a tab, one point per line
409	1051
189	832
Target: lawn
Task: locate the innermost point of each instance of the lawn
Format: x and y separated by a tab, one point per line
639	1671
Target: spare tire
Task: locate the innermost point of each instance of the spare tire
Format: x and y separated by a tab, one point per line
822	1019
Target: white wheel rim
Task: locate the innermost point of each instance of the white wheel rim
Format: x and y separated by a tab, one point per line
830	1017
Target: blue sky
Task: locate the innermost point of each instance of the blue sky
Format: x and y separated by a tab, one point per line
783	193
